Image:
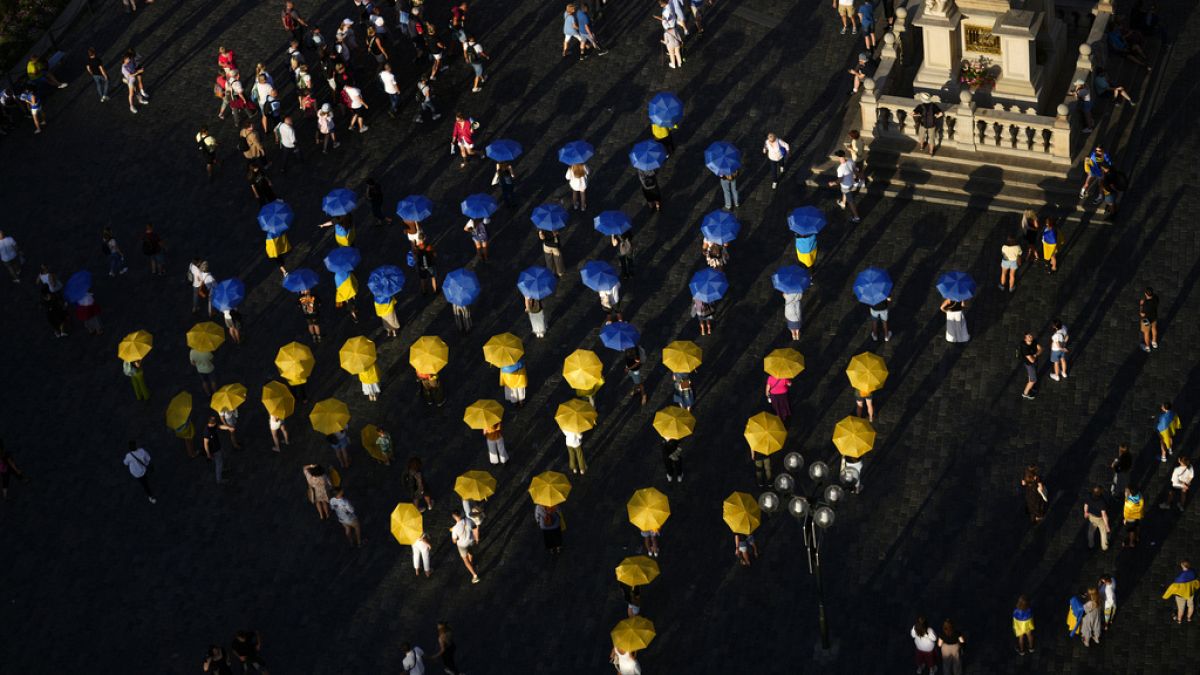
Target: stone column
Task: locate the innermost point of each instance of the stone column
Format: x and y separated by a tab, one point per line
939	23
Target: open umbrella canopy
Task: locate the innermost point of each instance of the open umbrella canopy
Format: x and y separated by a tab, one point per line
275	218
407	523
633	634
853	436
599	275
369	436
357	355
428	354
503	350
741	513
576	152
135	346
648	509
791	279
619	335
612	223
708	285
342	259
536	282
765	433
301	279
483	414
806	221
722	158
414	208
957	286
475	485
228	397
575	416
461	287
479	205
637	570
295	361
784	362
582	369
682	356
179	410
647	155
549	216
674	423
665	109
549	488
339	202
329	416
720	227
228	294
503	150
278	400
867	372
205	336
77	286
385	281
872	286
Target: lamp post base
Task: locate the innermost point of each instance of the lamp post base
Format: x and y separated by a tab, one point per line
826	656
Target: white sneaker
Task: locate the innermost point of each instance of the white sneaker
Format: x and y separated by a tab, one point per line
1054	377
133	110
152	500
669	478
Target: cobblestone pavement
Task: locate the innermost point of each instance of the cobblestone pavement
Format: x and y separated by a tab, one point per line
97	579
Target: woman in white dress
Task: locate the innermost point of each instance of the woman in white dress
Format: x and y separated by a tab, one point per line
956	322
625	662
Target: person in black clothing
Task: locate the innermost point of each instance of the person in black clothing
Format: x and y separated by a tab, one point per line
1120	468
650	191
929	119
633	366
246	647
1029	351
1148	314
375	196
260	184
1112	184
673	459
1095	512
217	662
553	250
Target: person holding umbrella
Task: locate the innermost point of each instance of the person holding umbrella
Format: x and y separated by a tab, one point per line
535	284
385	283
725	161
461	289
647	157
806	222
791	281
707	287
682	358
957	288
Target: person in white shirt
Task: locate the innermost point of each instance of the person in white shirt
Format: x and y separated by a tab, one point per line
357	106
1181	482
465	534
776	150
926	642
285	135
202	283
577	178
414	659
388	79
10	255
138	462
1058	351
575	452
847	179
420	555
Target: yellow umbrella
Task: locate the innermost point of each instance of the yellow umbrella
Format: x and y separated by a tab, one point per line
205	336
294	361
549	488
854	436
867	372
483	413
503	350
407	523
135	346
674	423
329	416
682	356
765	433
582	369
229	397
278	400
741	513
637	570
785	362
575	416
179	410
428	354
357	355
648	509
370	440
475	485
633	634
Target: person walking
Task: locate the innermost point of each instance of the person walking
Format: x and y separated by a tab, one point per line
10	255
1167	424
626	663
1022	622
319	487
1031	231
776	150
116	258
131	74
1058	351
550	521
683	396
950	644
1121	466
203	363
575	452
864	400
1148	317
414	480
793	313
476	228
1093	622
155	250
1010	261
650	542
1132	513
462	138
672	456
744	548
465	534
879	320
703	311
673	43
420	555
326	129
1050	245
729	190
1036	496
310	308
33	105
425	97
577	180
552	249
1181	482
211	443
475	56
537	316
624	245
285	136
497	453
648	180
344	511
137	378
847	182
1029	352
95	68
447	649
1183	589
354	99
1095	513
956	323
634	356
339	442
925	641
1107	587
777	395
506	178
137	460
260	184
425	259
414	659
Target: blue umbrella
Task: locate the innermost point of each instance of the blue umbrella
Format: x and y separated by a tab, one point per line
342	259
302	279
275	218
478	205
612	223
720	226
536	282
957	286
647	155
461	287
504	150
339	202
576	152
599	276
806	221
665	109
549	217
708	285
385	281
872	286
620	335
723	158
77	286
414	207
791	279
228	294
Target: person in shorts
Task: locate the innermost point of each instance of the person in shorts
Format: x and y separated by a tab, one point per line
847	182
1029	351
879	320
208	150
1148	317
348	517
465	534
848	15
1058	351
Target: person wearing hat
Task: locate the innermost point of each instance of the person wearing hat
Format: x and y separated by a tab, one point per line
859	71
326	128
929	120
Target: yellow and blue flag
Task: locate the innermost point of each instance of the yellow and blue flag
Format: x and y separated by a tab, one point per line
1184	586
347	286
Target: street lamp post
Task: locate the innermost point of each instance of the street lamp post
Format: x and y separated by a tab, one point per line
814	509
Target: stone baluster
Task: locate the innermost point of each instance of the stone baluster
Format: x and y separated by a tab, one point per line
1060	142
868	110
1084	62
891	50
965	133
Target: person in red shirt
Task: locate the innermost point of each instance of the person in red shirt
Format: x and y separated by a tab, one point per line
463	137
